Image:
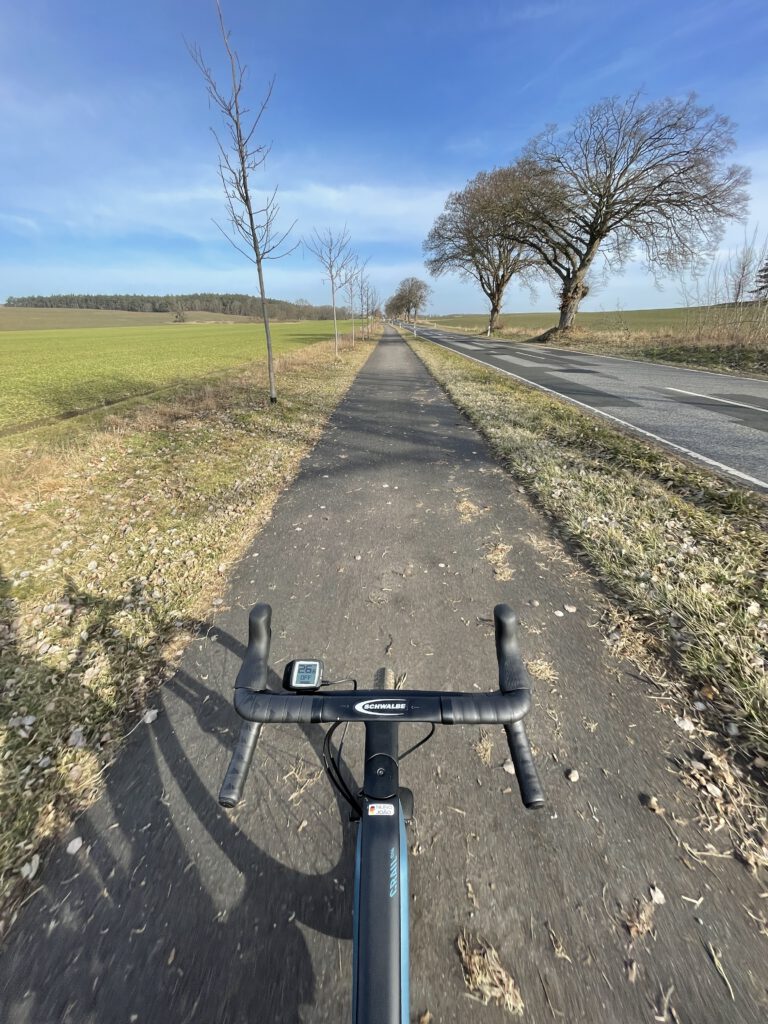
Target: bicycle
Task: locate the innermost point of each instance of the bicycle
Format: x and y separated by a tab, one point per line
380	957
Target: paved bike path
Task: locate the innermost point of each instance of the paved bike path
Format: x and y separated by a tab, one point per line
177	911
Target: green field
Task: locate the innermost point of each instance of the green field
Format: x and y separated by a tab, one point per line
651	320
32	318
51	373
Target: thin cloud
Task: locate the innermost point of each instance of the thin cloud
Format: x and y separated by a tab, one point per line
20	225
373	212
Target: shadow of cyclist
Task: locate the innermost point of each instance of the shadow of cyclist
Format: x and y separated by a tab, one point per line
173	909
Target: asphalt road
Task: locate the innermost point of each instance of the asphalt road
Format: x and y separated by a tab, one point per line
716	419
176	911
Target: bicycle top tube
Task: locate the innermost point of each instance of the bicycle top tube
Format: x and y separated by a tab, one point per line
443	707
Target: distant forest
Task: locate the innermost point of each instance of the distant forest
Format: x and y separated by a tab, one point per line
179	305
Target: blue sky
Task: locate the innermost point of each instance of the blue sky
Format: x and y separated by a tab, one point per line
108	170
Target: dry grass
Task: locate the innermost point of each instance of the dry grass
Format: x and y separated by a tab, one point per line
116	543
485	977
541	669
496	554
719	348
467	509
685	551
301	777
484	747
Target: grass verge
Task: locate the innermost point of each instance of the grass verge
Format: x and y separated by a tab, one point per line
684	550
116	543
750	359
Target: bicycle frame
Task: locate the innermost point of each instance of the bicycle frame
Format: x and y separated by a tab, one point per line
380	982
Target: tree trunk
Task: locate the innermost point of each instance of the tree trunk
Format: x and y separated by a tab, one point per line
573	291
268	332
493	317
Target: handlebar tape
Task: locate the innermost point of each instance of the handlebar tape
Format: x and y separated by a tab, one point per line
525	770
512	671
253	675
231	791
254	670
513	675
365	706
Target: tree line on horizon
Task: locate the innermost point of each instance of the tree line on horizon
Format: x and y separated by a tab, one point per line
628	178
233	304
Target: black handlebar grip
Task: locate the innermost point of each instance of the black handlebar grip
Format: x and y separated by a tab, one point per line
253	672
231	791
253	675
525	770
512	671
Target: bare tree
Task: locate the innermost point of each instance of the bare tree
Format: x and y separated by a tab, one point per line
350	287
626	176
760	290
411	295
471	237
335	256
361	288
252	227
371	304
394	307
416	293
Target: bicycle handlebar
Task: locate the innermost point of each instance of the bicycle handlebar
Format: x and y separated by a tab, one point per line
372	706
257	705
513	676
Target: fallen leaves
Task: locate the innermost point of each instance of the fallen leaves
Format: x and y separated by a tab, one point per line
726	800
639	921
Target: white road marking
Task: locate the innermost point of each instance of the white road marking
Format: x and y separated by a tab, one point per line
711	398
643	362
639	430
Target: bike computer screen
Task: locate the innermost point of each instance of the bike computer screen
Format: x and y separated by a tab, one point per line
303	674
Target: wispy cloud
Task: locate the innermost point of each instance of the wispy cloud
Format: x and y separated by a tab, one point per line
18	225
372	212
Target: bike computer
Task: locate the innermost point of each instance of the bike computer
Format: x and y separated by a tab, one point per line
303	674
